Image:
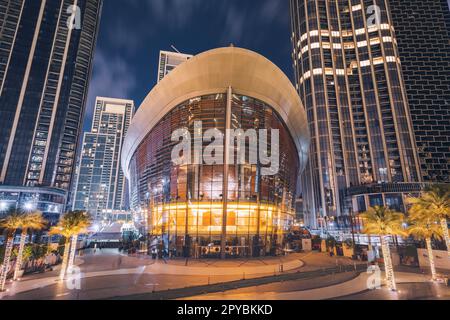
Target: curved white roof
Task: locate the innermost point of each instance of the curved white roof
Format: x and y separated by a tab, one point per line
247	72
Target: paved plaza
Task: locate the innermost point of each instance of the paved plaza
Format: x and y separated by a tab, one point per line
411	286
108	274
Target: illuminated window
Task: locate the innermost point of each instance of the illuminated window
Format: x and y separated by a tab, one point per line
362	44
318	71
391	59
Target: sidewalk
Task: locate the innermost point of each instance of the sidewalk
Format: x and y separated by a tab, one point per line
248	268
348	288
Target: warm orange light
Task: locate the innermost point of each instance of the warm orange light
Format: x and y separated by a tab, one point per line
206	218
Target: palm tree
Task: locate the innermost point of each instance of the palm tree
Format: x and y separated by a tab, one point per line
70	226
31	221
424	227
436	201
13	221
384	222
66	233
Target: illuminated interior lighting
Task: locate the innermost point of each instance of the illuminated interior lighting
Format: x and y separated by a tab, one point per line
207	218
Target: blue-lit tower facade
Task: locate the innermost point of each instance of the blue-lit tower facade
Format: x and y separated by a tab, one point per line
46	57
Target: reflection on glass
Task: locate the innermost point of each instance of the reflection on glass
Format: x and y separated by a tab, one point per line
185	205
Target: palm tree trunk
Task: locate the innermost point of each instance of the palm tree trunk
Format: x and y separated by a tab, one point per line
444	226
6	261
19	260
431	259
389	269
65	259
73	250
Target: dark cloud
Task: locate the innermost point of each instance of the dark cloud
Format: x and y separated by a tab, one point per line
133	31
175	14
234	20
112	77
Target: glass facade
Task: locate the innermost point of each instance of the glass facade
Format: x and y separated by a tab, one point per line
44	72
349	77
423	34
184	205
51	202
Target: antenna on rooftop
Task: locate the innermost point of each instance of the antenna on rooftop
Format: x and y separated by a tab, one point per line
173	47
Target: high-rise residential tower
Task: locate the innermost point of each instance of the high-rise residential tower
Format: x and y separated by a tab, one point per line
169	61
423	34
46	55
349	77
101	186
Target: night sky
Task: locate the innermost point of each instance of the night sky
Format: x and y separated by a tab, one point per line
133	32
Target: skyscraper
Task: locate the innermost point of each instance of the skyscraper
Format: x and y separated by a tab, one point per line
349	77
169	61
100	186
423	33
46	51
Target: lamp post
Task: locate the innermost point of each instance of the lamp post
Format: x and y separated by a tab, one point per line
352	225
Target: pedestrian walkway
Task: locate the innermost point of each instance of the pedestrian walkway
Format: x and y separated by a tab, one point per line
107	274
239	268
348	288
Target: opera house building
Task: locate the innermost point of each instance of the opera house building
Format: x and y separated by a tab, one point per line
227	208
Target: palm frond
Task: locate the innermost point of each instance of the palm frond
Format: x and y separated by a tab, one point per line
435	200
14	220
34	221
424	229
72	223
383	221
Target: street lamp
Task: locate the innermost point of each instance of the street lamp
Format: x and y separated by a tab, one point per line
3	206
28	206
353	226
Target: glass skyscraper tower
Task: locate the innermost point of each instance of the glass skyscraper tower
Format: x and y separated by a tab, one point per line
101	186
349	77
46	51
423	34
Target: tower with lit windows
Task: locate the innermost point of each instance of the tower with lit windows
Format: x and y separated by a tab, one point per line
100	184
46	59
348	74
423	34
